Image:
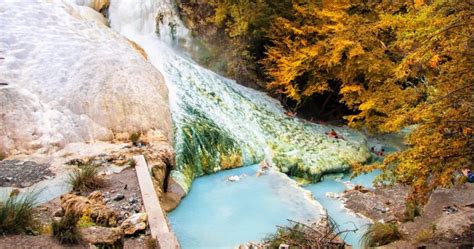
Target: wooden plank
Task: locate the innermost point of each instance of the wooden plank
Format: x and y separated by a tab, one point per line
156	217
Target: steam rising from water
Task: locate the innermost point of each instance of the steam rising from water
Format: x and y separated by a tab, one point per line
218	123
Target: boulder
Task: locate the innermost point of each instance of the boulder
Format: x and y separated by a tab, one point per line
101	235
134	223
455	225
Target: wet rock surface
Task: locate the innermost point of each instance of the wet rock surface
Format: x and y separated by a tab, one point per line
22	174
381	204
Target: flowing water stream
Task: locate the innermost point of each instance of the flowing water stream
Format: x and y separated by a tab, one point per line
221	125
218	123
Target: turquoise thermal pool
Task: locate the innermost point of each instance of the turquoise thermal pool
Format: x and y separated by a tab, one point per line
222	214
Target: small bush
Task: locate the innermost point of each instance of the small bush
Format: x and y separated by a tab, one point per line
283	235
150	243
86	179
412	210
85	221
325	234
132	163
425	234
379	234
65	230
134	137
16	213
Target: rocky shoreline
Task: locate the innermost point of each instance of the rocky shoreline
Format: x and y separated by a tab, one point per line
446	221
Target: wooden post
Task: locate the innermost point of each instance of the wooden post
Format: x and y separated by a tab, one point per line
156	218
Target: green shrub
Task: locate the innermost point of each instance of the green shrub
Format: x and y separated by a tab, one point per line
379	234
86	179
412	210
134	137
132	163
65	230
16	213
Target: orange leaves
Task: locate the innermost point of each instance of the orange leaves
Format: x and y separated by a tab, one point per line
396	69
467	131
434	61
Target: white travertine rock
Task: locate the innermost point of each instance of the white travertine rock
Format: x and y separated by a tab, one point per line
71	79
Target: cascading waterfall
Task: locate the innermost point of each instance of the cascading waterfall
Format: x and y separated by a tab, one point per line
218	123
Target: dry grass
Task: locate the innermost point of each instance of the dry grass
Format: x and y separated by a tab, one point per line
425	234
299	235
379	234
150	243
86	179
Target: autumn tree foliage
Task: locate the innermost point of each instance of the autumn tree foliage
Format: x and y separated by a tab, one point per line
406	65
394	64
235	33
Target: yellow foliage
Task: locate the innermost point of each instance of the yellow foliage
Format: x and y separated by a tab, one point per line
434	61
367	105
351	89
397	69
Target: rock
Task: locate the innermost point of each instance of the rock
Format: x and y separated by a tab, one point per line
43	208
58	213
132	200
119	197
101	235
233	178
76	162
26	184
332	195
136	208
124	214
134	223
125	207
56	219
